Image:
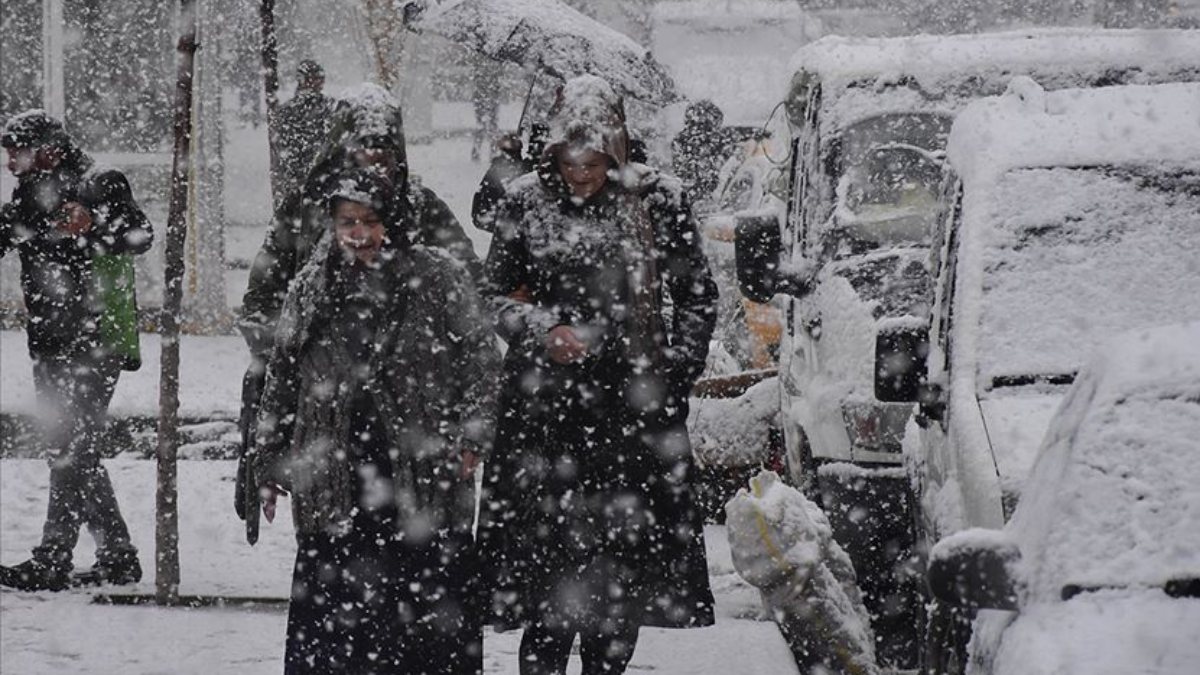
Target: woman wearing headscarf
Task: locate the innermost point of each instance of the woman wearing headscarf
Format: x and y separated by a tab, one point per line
378	403
602	292
366	131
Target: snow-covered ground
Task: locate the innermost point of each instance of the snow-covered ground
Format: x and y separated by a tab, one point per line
68	633
210	378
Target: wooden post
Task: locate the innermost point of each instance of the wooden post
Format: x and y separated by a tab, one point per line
270	66
166	533
53	96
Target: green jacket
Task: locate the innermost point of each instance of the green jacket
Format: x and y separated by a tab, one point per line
57	270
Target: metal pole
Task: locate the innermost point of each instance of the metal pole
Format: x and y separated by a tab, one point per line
270	66
166	577
53	96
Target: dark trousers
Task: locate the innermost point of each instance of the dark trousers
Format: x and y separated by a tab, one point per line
364	603
545	648
74	393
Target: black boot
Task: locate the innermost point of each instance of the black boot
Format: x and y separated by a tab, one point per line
35	575
116	570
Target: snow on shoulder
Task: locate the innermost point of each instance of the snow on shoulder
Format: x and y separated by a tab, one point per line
368	95
1028	127
375	109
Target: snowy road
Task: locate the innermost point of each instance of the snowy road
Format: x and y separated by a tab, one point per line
66	633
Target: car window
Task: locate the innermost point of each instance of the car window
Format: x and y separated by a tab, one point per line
1073	255
889	177
740	194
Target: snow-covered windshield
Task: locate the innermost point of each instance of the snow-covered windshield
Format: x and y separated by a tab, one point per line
890	179
1112	499
1074	255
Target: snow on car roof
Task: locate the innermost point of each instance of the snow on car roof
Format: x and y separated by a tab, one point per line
714	10
865	76
1112	500
1029	127
931	57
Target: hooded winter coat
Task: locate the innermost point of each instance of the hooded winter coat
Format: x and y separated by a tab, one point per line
587	503
56	268
700	149
367	116
430	378
303	126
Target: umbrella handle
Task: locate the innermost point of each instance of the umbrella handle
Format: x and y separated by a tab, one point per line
528	98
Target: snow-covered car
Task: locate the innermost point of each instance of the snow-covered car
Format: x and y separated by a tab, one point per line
1074	217
870	119
1099	570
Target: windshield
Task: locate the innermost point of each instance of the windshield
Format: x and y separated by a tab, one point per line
1074	255
889	182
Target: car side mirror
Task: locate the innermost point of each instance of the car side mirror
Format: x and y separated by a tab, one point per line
758	247
931	404
900	368
975	569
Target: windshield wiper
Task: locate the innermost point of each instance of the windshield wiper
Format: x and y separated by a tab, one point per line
1188	587
1002	381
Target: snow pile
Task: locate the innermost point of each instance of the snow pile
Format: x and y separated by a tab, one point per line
782	543
735	431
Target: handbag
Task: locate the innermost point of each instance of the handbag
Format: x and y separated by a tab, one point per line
113	276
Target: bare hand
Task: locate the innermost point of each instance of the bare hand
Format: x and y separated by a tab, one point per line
76	219
269	494
564	346
469	460
522	294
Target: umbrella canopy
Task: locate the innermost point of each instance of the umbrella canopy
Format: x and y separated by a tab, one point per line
549	36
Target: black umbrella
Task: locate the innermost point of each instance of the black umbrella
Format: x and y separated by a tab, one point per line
549	36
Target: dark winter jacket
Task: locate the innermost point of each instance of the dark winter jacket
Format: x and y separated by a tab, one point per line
699	150
589	484
304	124
420	216
505	167
56	268
430	376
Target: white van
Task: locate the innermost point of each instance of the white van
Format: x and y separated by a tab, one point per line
1076	216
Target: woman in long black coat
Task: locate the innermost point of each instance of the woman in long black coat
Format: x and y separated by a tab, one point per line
604	296
378	403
